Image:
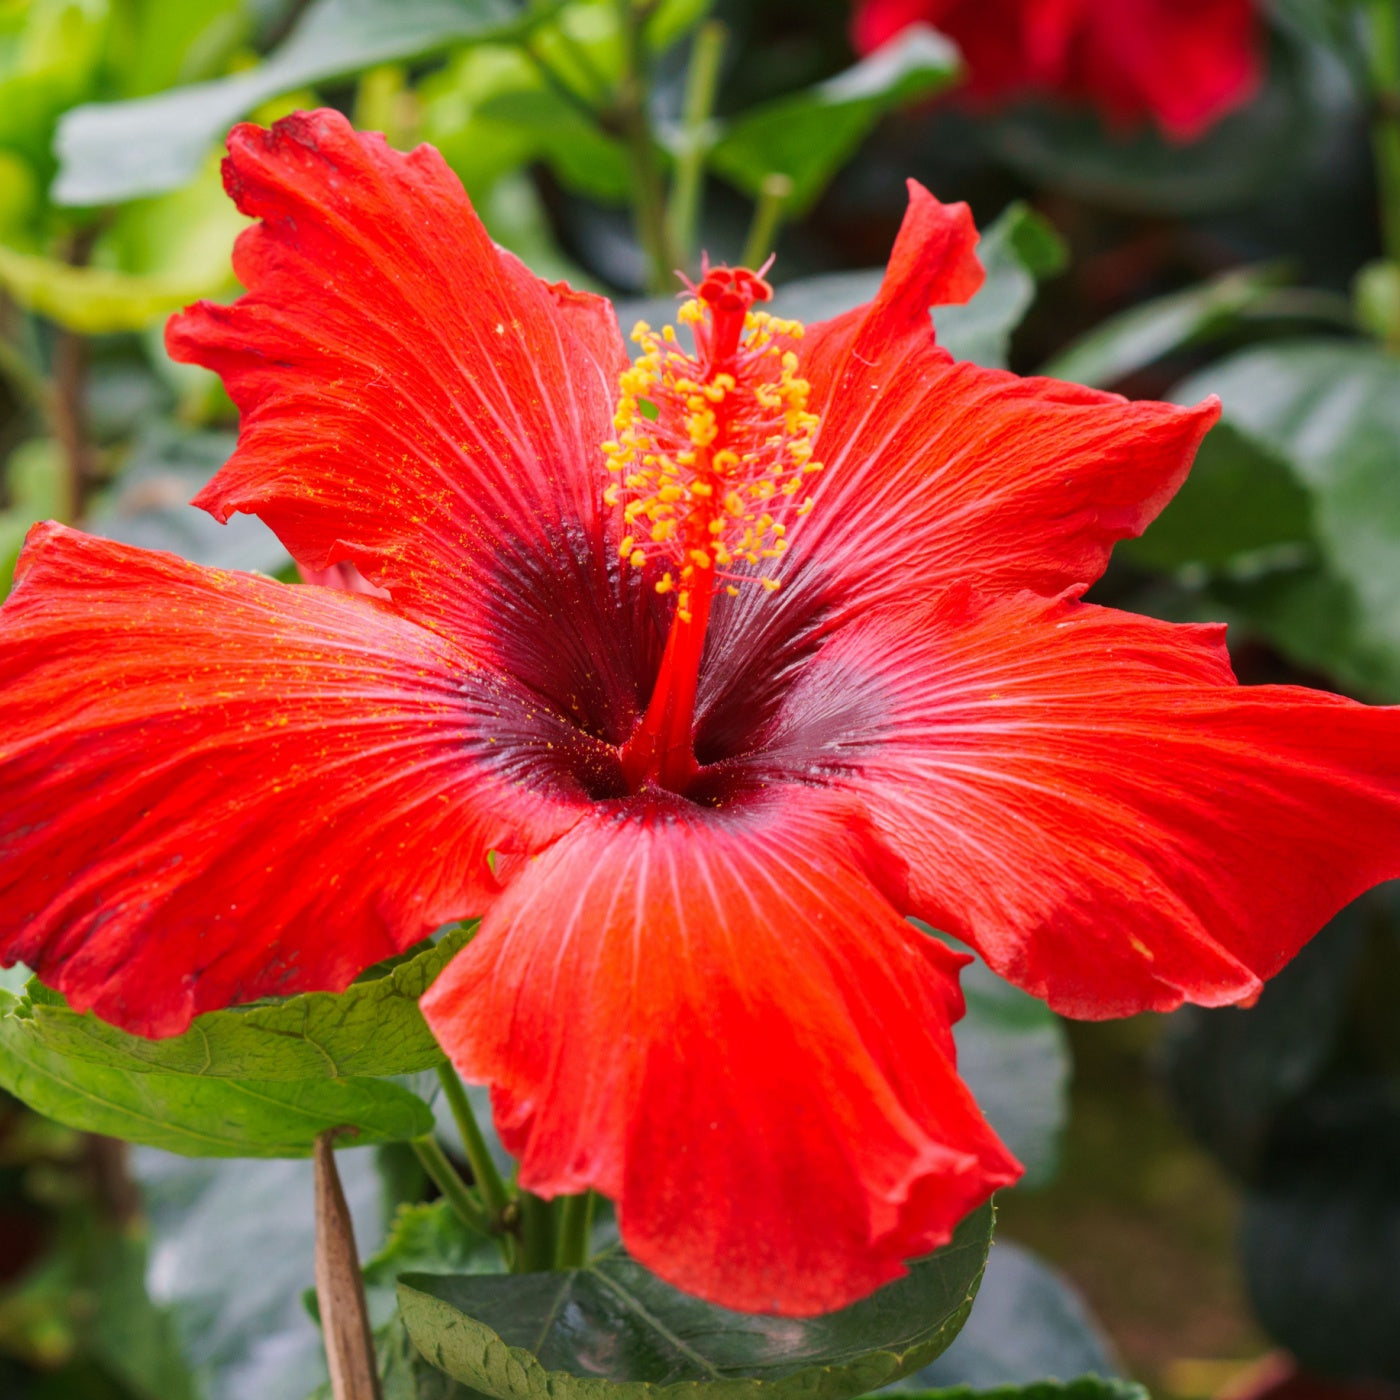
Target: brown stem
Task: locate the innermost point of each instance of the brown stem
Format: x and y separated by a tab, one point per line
68	402
340	1288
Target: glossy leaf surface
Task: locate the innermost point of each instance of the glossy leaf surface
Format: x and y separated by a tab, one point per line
116	151
1029	1322
198	1117
615	1330
1144	334
808	135
373	1028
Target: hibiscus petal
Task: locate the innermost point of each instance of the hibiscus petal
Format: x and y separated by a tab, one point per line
1091	800
219	787
937	471
413	399
714	1017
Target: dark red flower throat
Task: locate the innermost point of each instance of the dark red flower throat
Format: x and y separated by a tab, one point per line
712	450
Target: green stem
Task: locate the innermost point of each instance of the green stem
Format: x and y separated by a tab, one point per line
537	1234
634	124
697	135
571	1247
1384	60
464	1205
488	1180
773	193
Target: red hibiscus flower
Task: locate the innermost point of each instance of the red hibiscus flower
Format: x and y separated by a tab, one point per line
692	679
1180	63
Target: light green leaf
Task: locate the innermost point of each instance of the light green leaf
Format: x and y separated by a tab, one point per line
158	43
95	300
1153	329
809	135
115	151
194	1116
613	1331
372	1028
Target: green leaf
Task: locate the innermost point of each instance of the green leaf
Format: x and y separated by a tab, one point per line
1029	1322
149	505
231	1254
615	1330
1084	1388
1130	342
1232	1073
427	1237
96	300
373	1028
1319	1233
1331	411
1241	508
1317	621
160	43
809	135
1014	1055
110	152
554	130
1019	249
194	1116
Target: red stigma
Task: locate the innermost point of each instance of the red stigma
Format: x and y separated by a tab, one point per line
730	293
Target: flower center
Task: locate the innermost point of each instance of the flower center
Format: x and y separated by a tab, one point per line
712	452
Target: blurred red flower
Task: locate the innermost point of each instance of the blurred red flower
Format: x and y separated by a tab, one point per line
1182	64
692	810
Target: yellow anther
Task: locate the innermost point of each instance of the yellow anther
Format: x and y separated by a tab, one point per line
711	446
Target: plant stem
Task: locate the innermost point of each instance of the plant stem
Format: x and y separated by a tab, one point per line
537	1234
773	193
340	1287
464	1205
571	1247
1383	55
697	134
69	398
634	124
494	1192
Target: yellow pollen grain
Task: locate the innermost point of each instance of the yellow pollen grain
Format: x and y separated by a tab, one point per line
709	476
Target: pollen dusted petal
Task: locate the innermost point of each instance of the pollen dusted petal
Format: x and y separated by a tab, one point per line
1090	799
412	398
715	1018
218	787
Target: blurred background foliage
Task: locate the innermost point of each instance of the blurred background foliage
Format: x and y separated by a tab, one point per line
1212	1201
